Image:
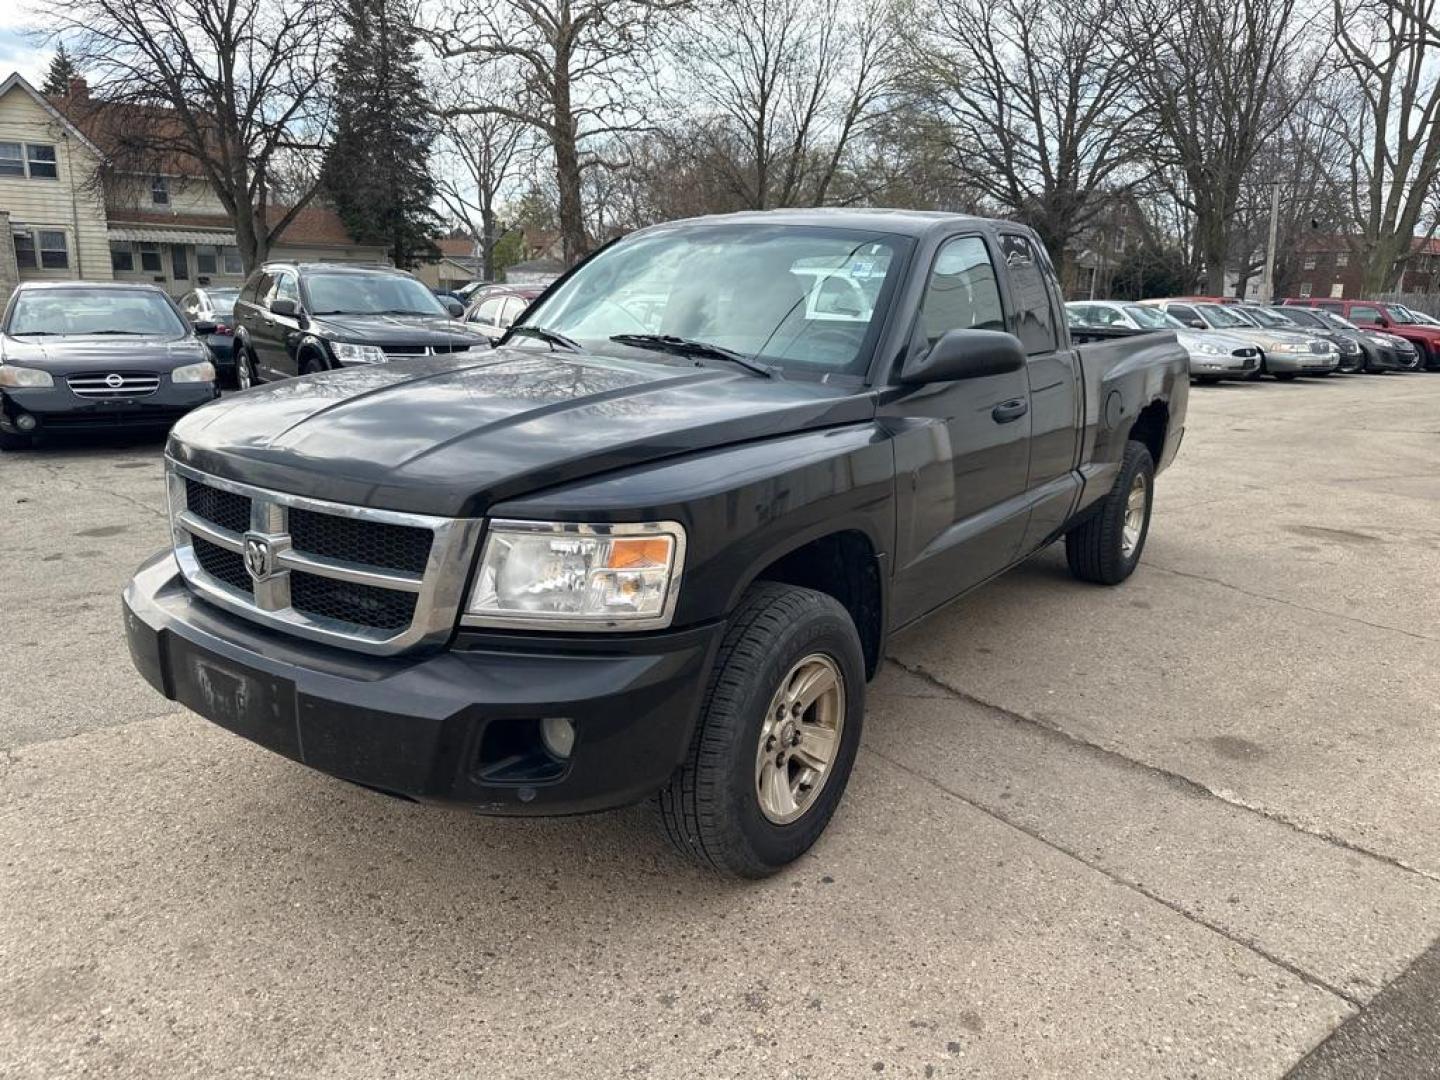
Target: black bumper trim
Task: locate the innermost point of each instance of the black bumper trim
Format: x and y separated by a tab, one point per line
413	724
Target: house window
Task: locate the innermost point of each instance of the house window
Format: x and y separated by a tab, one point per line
233	265
150	258
1305	288
25	251
160	191
12	159
54	254
1342	258
1337	292
122	257
35	160
1309	263
42	161
205	260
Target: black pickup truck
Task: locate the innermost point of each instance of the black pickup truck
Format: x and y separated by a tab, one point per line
652	544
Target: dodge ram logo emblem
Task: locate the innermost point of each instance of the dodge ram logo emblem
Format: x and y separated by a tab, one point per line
259	557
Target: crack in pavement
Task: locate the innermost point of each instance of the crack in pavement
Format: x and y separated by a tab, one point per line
1170	776
1290	603
1134	886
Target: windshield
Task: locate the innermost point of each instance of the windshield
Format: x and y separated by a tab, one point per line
368	294
1149	318
1220	317
1336	321
1268	319
802	299
1399	315
51	312
1306	318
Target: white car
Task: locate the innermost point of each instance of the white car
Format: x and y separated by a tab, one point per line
1214	355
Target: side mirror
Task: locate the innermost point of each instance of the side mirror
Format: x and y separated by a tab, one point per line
966	354
454	307
203	327
285	308
1194	324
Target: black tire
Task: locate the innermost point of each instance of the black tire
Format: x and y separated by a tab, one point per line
1283	376
13	441
1095	548
246	372
310	364
711	808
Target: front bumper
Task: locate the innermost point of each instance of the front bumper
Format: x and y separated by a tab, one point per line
1302	363
444	726
58	408
1232	367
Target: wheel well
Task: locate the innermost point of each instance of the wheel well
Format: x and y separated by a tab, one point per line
1150	427
309	349
841	565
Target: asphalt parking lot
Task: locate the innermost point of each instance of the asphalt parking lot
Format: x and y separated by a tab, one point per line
1186	828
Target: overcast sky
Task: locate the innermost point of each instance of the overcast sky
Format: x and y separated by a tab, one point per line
17	52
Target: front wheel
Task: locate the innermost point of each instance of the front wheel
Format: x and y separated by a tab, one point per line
777	734
1105	548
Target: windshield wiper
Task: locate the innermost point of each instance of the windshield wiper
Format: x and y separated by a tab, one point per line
551	337
34	333
686	347
128	333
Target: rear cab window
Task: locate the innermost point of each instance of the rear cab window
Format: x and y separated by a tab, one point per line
1033	320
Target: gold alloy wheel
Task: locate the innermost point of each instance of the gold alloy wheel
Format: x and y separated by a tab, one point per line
1134	516
800	738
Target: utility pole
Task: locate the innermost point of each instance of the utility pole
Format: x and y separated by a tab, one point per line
1267	292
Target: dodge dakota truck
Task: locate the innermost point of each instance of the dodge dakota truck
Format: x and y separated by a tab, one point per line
652	544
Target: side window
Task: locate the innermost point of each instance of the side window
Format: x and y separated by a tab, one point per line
511	311
489	312
1364	314
286	288
255	287
190	304
1033	320
962	293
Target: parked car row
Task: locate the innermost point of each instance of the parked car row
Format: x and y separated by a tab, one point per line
1238	340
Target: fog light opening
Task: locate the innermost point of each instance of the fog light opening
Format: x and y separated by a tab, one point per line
558	735
25	422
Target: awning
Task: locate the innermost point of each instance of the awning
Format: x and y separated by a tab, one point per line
159	234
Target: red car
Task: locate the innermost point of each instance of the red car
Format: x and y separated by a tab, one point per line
1391	318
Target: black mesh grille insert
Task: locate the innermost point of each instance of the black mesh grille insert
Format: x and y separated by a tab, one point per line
223	508
363	605
221	563
390	547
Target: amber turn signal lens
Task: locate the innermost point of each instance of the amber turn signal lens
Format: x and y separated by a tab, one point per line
639	553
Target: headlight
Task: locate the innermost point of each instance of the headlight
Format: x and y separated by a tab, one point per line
10	375
204	371
1291	347
1207	348
561	576
347	353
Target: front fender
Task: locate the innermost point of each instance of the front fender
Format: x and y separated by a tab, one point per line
743	506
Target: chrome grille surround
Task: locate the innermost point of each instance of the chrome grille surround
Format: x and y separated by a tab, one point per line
438	591
102	385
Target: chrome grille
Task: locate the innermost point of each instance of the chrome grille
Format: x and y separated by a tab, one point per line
1319	346
113	384
403	352
375	580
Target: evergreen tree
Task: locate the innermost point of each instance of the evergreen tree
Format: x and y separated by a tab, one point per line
62	70
376	171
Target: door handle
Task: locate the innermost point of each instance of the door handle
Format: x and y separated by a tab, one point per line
1010	410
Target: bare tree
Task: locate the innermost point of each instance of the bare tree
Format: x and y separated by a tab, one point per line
784	87
578	65
1390	122
479	157
1038	98
1219	77
231	89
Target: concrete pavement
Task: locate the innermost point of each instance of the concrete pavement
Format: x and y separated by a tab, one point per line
1183	828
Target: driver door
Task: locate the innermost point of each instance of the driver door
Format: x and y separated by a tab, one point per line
962	448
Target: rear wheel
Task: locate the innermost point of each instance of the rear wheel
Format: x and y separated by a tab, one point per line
777	734
1105	548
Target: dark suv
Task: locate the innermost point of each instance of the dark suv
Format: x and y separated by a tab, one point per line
299	318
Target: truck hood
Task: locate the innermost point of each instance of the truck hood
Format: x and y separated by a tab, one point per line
102	352
451	435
